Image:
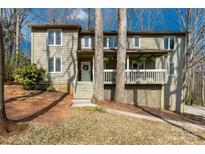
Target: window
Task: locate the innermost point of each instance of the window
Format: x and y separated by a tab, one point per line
110	42
55	64
87	42
137	42
51	65
54	37
136	65
171	69
169	42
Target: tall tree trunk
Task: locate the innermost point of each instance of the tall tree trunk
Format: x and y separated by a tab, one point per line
121	56
98	67
17	37
89	23
3	119
17	31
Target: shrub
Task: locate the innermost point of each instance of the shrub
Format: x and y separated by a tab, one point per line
50	88
29	76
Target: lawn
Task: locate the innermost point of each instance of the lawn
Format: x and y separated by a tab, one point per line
93	126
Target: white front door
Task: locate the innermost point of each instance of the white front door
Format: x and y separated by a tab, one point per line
85	71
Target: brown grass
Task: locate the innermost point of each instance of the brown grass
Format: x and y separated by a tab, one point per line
87	126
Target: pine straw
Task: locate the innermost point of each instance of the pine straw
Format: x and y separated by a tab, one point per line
93	127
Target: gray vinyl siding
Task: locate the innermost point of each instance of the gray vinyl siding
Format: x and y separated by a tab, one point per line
41	52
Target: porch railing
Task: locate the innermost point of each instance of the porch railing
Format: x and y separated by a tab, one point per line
145	76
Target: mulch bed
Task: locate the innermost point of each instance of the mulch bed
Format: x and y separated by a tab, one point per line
162	114
36	105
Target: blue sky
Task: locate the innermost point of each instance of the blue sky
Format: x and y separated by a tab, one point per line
165	21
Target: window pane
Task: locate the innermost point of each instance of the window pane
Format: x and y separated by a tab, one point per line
105	42
58	37
172	43
50	37
86	41
111	42
166	41
171	68
58	64
50	65
116	42
137	41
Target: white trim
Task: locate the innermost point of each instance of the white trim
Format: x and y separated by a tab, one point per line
139	42
54	64
89	42
128	62
107	42
54	43
175	42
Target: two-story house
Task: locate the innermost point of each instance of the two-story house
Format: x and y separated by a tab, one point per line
154	63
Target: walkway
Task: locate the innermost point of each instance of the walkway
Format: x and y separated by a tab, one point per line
196	110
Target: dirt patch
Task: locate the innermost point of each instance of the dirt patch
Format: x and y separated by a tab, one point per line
36	105
162	114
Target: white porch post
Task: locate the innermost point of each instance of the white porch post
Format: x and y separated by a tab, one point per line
128	62
128	65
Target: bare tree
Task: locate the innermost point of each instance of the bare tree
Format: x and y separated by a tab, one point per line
70	16
192	21
98	66
3	118
89	19
121	56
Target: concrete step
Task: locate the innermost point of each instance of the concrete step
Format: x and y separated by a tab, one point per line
83	90
82	102
82	96
83	93
85	84
85	87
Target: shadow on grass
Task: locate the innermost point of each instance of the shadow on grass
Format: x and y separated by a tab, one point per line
40	112
172	123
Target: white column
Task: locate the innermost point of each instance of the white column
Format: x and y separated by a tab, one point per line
128	65
128	62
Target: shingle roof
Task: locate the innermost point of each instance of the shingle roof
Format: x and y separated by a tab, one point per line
56	26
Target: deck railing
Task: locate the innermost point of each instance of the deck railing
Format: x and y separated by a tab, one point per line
145	76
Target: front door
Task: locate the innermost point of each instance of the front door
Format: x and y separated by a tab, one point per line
85	71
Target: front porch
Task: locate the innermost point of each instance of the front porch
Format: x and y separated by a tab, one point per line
149	72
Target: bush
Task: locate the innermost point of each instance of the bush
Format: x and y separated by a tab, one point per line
50	88
29	76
